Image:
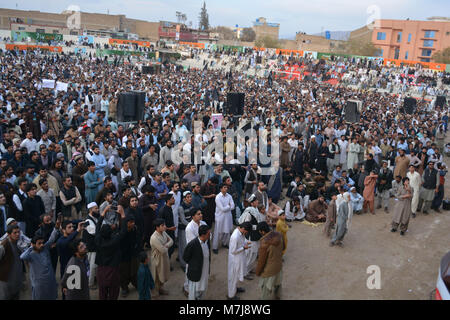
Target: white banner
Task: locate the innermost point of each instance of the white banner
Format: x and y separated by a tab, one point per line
46	83
61	86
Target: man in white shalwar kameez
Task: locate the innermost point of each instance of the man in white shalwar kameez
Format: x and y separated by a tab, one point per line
415	181
224	219
236	259
343	144
251	214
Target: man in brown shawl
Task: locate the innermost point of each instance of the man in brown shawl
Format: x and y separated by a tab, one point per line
401	164
331	216
160	262
317	210
402	211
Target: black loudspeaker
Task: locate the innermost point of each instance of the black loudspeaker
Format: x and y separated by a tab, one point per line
140	104
147	69
235	103
409	105
258	59
130	106
351	112
153	69
440	101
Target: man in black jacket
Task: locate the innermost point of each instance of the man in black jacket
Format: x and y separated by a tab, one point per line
130	249
384	185
429	187
148	205
33	208
370	164
135	212
108	259
198	259
166	214
45	230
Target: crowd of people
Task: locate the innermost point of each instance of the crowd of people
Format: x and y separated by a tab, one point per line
365	73
85	195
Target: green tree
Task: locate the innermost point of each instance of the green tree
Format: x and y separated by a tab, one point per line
204	18
224	33
248	34
442	56
181	17
359	48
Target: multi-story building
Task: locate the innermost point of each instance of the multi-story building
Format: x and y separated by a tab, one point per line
265	29
411	39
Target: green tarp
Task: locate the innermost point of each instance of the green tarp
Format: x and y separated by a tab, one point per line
228	47
23	36
103	52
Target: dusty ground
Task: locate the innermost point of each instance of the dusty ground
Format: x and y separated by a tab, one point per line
313	270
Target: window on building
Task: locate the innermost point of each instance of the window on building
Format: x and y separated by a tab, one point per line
409	37
425	59
381	52
73	33
426	52
40	30
55	31
396	53
399	37
429	34
428	43
21	28
381	36
406	55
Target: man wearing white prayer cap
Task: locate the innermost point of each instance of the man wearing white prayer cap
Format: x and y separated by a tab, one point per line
89	239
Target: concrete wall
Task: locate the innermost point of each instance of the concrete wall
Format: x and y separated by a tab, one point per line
145	29
288	44
316	43
34	27
363	34
265	30
5	34
96	21
89	21
36	16
236	43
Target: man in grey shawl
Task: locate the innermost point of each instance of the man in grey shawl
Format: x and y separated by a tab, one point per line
344	213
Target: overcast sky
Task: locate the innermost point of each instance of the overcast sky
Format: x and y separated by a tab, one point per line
310	16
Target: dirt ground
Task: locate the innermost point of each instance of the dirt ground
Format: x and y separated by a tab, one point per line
314	270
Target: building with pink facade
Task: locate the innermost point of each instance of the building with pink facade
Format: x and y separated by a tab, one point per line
411	39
